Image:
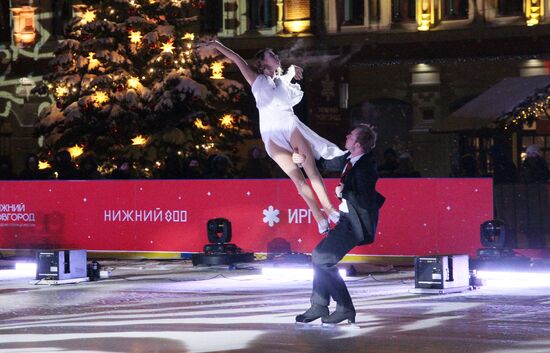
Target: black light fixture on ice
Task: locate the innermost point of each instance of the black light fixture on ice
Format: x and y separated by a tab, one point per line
219	250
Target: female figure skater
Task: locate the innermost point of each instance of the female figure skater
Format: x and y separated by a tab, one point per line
281	130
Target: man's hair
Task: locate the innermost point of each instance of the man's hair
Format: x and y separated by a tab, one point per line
366	136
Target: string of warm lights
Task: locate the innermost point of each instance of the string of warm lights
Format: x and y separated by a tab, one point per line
536	107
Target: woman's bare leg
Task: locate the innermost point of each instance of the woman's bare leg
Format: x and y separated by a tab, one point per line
284	159
298	142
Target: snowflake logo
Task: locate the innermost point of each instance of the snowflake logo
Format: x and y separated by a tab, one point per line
271	216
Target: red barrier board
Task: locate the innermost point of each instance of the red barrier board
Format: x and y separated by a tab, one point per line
421	216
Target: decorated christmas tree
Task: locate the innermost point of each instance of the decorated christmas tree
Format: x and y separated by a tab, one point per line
129	83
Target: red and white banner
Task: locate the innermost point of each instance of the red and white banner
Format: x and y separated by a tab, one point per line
421	216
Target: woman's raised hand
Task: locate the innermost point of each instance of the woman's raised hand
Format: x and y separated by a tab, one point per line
299	73
211	44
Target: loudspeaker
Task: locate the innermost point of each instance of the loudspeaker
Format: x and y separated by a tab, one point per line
442	271
61	264
218	230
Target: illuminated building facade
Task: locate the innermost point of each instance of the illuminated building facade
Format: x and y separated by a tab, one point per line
404	65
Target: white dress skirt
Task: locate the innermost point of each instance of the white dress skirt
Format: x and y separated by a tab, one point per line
275	98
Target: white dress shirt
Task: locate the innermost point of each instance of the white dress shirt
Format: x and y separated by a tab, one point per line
343	207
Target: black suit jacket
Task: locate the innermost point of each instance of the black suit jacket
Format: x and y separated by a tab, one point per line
359	191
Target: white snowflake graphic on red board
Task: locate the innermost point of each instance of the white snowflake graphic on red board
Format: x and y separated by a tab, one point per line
271	216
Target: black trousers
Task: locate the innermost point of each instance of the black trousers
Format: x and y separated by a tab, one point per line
327	282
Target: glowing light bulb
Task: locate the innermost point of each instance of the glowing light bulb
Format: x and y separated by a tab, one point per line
133	82
44	165
227	121
199	124
75	151
135	37
168	47
92	62
100	97
88	16
139	140
217	70
61	91
190	36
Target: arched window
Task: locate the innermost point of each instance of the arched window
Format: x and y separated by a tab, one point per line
455	9
403	10
212	16
353	12
509	7
374	11
5	27
62	14
261	14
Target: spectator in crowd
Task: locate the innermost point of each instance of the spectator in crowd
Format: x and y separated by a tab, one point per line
468	166
31	171
256	166
504	169
220	168
124	170
6	168
389	164
534	168
88	168
405	169
193	170
172	166
64	166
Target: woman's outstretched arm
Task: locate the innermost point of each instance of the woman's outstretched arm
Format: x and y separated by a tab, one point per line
249	74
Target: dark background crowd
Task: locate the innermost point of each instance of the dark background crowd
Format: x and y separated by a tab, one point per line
533	168
216	166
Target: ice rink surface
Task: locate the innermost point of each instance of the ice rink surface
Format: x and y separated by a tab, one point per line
173	307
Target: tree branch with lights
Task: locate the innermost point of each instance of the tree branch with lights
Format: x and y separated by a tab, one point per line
532	109
127	83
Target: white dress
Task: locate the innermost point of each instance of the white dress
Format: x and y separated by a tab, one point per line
275	98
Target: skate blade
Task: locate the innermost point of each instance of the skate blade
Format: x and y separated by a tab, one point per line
341	326
306	325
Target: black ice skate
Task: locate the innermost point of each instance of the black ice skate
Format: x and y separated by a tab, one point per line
339	316
312	314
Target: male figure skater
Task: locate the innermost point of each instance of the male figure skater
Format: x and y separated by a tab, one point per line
359	207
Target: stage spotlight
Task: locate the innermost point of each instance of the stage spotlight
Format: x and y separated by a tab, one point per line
493	237
493	234
219	251
219	230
